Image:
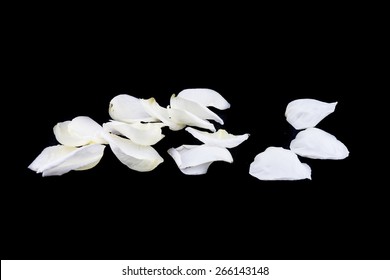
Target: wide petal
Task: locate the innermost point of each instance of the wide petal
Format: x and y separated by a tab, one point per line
196	159
140	133
276	163
154	109
318	144
205	97
305	113
59	159
127	108
186	118
221	138
136	157
197	109
63	136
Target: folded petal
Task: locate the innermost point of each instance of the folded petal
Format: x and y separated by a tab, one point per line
154	109
186	118
205	97
304	113
197	109
136	157
276	163
127	108
318	144
221	138
196	159
59	159
140	133
78	132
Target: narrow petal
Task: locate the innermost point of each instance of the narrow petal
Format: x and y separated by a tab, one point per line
205	97
279	164
127	108
140	133
305	113
318	144
136	157
154	109
186	118
221	138
58	160
196	159
197	109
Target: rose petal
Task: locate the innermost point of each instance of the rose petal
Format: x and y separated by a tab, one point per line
221	138
304	113
196	159
198	110
318	144
186	118
136	157
279	164
127	108
140	133
59	159
205	97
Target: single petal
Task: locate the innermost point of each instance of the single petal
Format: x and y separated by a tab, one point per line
304	113
205	97
221	138
186	118
196	159
59	159
197	109
127	108
140	133
318	144
276	163
136	157
63	136
154	109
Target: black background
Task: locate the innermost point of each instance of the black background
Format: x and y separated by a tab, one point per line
111	212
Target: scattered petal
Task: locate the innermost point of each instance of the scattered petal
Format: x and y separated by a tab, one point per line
136	157
276	163
140	133
318	144
186	118
205	97
305	113
59	159
196	159
127	108
221	138
197	109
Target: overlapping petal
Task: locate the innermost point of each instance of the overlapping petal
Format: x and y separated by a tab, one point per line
205	97
221	138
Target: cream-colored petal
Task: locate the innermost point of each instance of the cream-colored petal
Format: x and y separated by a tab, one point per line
63	136
318	144
196	159
86	128
205	97
276	163
304	113
186	118
197	109
140	133
58	160
127	108
136	157
221	138
154	109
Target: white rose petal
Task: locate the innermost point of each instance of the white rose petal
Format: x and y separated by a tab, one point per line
136	157
318	144
276	163
205	97
305	113
140	133
221	138
197	109
127	108
196	159
187	118
59	159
